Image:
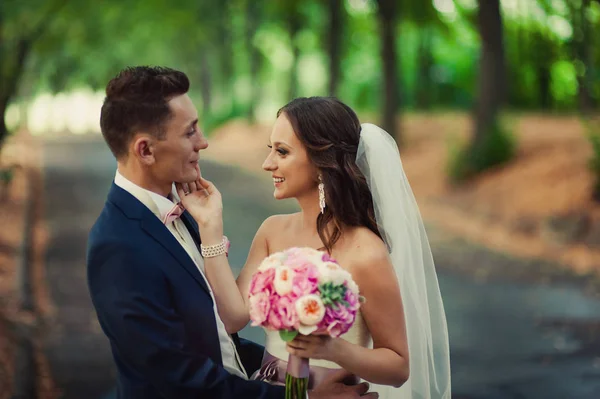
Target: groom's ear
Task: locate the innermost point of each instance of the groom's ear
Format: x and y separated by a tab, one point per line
143	149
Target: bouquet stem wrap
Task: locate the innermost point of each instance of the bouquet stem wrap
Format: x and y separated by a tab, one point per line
296	379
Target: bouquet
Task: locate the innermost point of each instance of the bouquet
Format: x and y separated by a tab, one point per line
302	291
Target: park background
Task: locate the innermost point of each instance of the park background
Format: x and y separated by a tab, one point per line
493	104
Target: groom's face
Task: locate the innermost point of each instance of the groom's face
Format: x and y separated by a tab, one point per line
176	155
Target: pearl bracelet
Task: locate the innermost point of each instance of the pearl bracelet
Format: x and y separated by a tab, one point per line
215	250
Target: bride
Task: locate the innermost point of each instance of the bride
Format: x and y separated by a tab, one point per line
357	205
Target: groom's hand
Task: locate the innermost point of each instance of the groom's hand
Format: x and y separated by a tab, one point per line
333	388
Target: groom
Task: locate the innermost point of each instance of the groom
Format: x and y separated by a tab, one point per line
145	271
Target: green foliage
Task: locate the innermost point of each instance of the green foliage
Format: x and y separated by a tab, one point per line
6	176
465	161
332	294
287	336
214	120
86	43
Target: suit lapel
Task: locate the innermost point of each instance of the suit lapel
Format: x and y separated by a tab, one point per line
192	227
163	236
134	209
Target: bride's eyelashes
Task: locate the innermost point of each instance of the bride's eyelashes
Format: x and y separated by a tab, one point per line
281	151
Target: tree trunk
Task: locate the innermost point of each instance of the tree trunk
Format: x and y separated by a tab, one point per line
205	86
544	79
254	56
387	21
583	53
336	12
11	72
424	63
294	27
491	69
3	128
225	50
12	60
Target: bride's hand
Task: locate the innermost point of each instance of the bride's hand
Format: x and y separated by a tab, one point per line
203	201
314	347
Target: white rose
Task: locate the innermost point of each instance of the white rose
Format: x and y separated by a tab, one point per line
284	277
313	256
273	261
310	310
330	272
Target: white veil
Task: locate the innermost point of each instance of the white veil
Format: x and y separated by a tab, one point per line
400	224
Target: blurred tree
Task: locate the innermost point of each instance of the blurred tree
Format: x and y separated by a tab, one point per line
490	145
205	79
425	61
204	48
288	12
253	19
21	26
582	49
242	53
544	52
530	58
387	16
224	39
334	48
425	17
294	24
491	93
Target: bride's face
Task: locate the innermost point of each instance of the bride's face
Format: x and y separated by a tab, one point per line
292	172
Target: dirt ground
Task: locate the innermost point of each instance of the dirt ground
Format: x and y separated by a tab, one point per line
510	209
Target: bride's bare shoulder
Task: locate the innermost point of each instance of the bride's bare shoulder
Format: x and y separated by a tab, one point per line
365	249
276	226
276	223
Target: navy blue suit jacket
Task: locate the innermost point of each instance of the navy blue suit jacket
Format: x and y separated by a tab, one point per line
156	309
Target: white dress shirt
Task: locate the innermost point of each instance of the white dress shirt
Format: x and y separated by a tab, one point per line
160	206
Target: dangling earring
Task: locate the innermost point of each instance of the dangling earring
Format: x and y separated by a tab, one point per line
321	194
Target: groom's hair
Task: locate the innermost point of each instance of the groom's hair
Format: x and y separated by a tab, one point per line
137	100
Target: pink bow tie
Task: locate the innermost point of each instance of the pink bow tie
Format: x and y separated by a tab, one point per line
174	213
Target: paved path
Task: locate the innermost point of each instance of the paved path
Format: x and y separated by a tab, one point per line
508	339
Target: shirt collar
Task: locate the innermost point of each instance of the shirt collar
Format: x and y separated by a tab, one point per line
158	204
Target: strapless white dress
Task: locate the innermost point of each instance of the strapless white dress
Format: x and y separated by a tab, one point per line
274	363
357	334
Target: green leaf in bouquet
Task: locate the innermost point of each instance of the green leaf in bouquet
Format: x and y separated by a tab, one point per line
287	336
332	294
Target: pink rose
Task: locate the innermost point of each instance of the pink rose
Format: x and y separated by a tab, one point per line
306	280
295	260
262	281
260	304
353	300
337	321
327	258
273	321
285	308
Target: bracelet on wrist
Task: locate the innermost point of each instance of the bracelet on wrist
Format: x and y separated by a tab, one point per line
210	251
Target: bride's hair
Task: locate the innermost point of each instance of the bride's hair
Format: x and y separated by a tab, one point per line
330	131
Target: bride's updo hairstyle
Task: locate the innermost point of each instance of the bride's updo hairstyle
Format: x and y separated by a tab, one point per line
330	132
